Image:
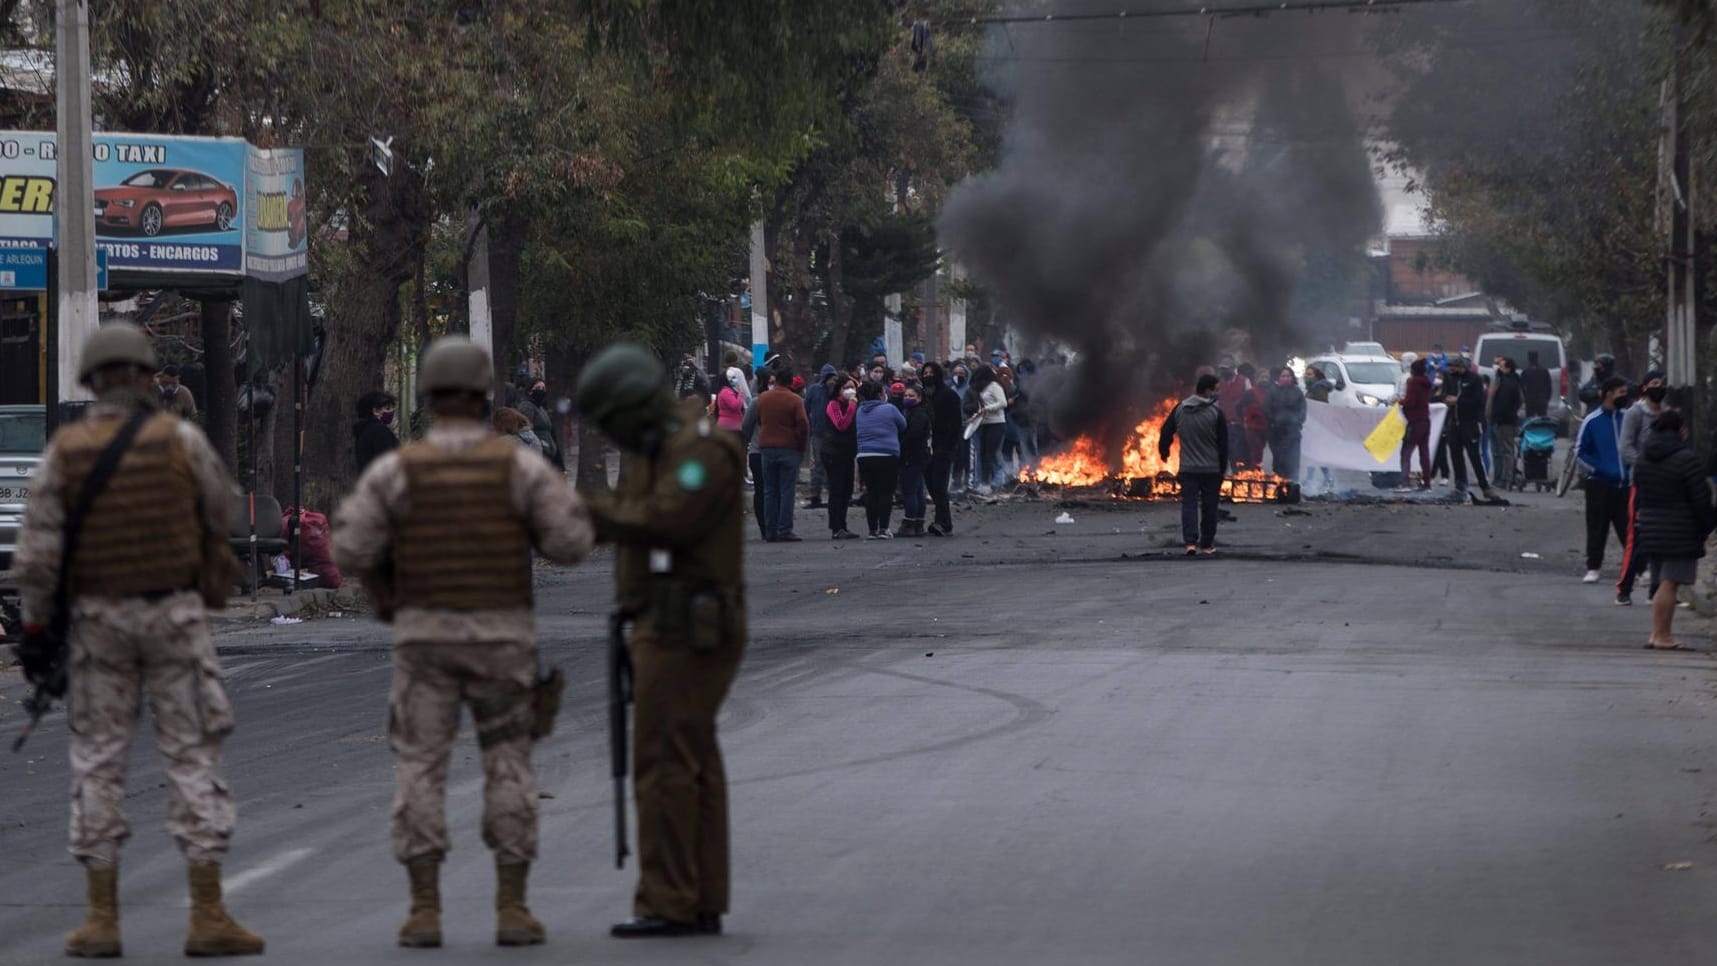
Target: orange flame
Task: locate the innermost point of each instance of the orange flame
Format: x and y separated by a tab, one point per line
1142	472
1085	464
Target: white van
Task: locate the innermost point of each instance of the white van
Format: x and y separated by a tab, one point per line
1552	355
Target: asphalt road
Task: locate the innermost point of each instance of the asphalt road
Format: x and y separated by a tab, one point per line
1362	735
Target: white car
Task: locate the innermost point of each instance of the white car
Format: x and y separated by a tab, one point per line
1369	380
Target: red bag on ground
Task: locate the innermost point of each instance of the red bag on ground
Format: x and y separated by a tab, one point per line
315	543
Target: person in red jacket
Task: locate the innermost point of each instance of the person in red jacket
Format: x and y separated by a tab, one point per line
1416	409
1253	419
1233	389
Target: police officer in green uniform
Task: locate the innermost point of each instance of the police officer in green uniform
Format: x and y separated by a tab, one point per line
676	519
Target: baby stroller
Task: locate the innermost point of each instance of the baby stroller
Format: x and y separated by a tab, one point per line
1537	444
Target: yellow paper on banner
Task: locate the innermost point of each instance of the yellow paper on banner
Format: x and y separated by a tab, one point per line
1384	443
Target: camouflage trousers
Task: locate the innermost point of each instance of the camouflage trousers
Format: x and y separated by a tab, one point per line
121	650
430	683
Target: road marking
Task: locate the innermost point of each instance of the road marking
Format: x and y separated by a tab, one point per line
279	863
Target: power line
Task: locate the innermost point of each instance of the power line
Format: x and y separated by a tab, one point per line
1235	10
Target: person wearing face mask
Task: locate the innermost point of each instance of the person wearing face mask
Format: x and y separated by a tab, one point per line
1674	518
1416	410
1636	429
1285	411
1465	396
947	441
1507	396
1598	450
914	461
1203	432
535	407
372	434
838	449
960	383
690	382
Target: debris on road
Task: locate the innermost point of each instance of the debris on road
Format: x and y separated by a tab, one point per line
832	591
1531	556
1065	517
1678	867
283	620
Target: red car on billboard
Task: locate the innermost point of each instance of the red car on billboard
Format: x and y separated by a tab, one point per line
160	198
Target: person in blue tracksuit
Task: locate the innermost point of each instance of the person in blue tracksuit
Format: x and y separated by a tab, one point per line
1599	451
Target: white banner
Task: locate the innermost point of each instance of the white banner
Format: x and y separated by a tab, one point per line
1334	436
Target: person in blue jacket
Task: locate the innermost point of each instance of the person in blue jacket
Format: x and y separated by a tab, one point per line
1599	452
879	429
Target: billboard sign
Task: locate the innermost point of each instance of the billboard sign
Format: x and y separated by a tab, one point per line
162	203
276	238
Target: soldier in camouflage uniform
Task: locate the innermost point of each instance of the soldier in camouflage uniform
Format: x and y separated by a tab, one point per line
441	533
151	557
676	521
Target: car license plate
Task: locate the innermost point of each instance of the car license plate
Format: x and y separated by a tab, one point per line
15	494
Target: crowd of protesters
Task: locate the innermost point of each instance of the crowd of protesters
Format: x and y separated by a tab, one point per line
874	435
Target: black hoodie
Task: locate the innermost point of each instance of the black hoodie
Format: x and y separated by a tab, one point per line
370	439
947	426
1674	512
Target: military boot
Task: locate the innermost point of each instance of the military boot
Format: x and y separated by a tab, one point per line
99	937
422	929
514	924
213	932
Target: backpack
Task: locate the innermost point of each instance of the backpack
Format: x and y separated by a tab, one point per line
315	543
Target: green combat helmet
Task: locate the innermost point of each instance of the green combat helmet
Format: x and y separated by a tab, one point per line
113	344
623	390
456	364
623	376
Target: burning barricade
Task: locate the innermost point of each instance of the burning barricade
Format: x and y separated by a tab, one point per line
1139	472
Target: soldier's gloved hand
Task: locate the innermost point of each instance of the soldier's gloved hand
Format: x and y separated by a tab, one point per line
43	660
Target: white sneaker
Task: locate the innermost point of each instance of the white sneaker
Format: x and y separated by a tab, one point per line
1590	578
885	535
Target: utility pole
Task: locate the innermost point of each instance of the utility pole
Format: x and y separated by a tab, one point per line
759	296
74	206
1680	342
956	347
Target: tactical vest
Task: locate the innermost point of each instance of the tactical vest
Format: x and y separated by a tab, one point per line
143	534
461	545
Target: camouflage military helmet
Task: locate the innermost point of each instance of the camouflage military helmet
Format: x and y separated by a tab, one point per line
455	363
112	344
623	376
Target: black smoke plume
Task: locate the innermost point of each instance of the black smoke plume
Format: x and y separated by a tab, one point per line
1163	184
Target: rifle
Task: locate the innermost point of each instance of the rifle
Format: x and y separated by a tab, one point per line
39	703
53	640
619	695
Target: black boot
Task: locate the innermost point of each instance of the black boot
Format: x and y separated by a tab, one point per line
654	927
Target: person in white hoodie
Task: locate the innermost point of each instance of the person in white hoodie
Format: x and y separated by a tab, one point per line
992	427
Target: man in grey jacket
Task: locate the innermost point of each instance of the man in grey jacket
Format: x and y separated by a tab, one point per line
1636	426
1203	433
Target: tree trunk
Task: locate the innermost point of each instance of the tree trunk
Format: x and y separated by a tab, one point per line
1621	344
506	250
590	472
220	396
840	307
388	239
